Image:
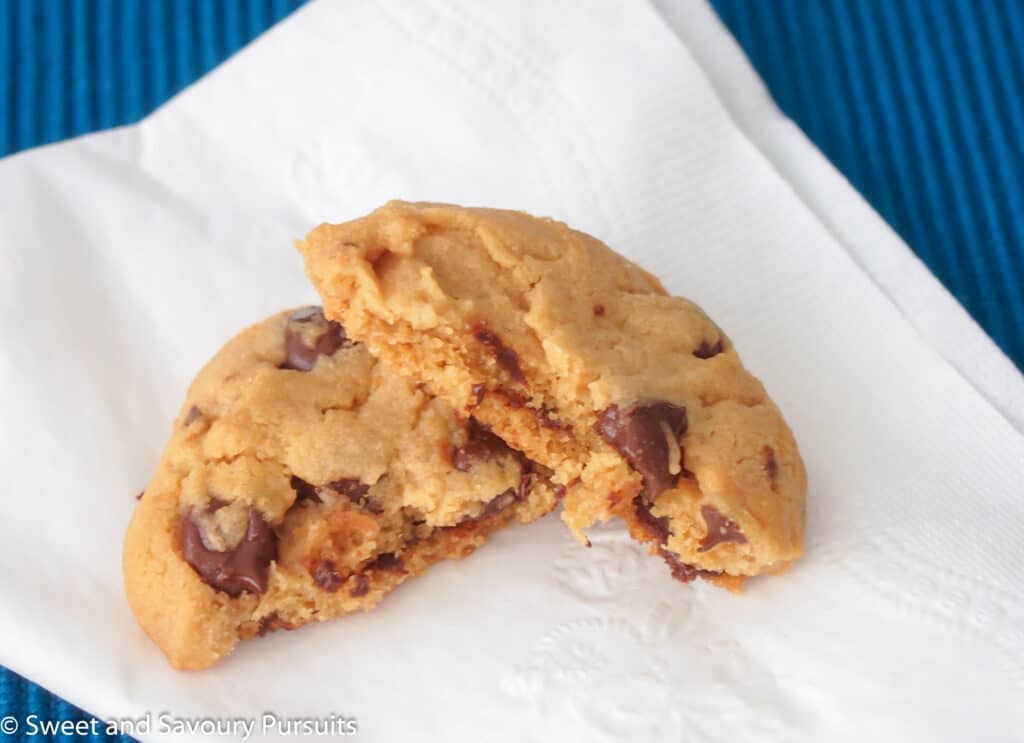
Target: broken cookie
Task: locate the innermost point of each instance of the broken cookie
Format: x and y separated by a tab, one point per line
303	481
577	357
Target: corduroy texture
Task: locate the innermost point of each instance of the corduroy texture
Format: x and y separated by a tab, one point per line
21	698
920	103
68	67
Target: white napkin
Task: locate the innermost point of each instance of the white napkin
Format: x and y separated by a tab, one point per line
131	256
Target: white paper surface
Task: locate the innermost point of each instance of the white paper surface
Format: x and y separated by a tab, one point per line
941	321
131	256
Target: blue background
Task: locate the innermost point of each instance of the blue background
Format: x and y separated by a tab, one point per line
920	103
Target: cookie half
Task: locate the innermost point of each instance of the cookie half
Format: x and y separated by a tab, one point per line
304	481
578	358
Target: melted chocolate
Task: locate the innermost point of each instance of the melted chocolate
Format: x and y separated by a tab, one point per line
244	568
330	336
388	561
655	526
639	436
720	529
304	491
327	576
480	445
507	358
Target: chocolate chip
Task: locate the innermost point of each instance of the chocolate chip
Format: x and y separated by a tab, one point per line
310	322
140	494
638	434
598	310
244	568
356	491
507	358
771	466
304	491
480	445
500	502
478	391
361	587
193	414
388	561
495	505
526	481
655	526
351	488
720	529
706	350
681	571
327	576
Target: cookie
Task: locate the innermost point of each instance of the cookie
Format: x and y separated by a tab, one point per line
303	481
577	357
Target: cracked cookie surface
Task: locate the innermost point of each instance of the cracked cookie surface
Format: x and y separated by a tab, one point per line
578	358
303	480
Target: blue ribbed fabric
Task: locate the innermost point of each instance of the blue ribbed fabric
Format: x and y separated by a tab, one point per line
68	67
73	66
920	103
20	698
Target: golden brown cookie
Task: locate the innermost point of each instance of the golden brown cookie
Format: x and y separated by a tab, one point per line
304	481
578	358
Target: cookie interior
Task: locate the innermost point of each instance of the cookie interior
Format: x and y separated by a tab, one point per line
574	355
305	480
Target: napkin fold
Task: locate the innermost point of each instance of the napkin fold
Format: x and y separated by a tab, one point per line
131	256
